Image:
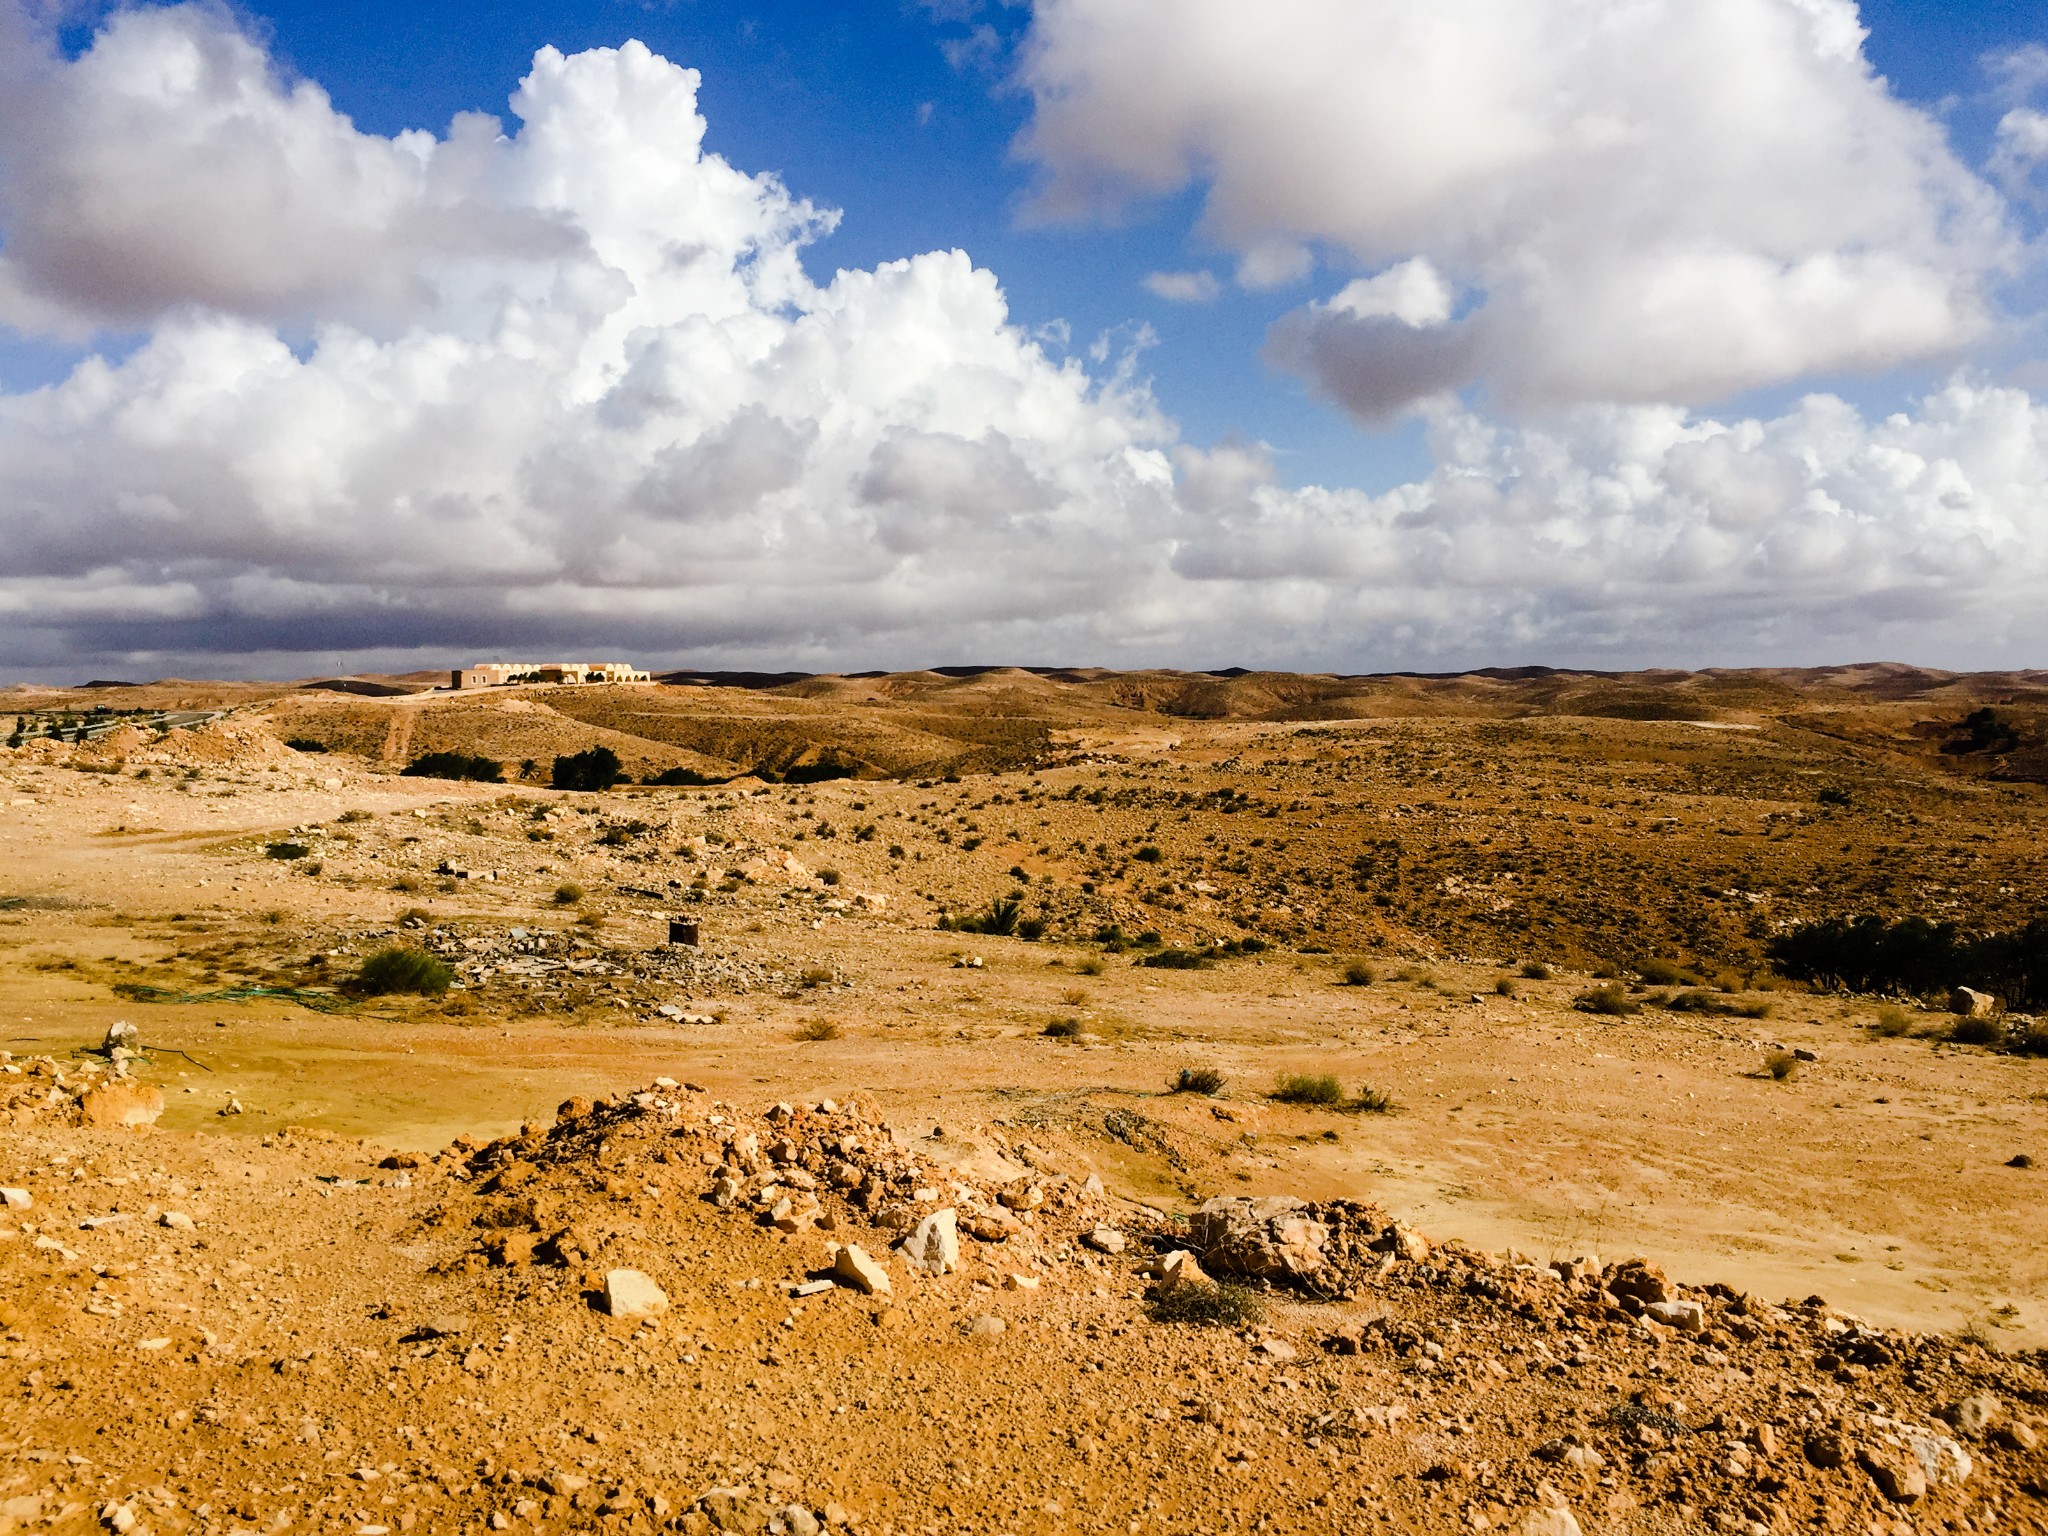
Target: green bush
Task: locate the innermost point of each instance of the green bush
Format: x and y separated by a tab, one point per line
1203	1080
455	765
1202	1302
1176	960
399	969
1977	1032
1321	1090
1000	919
1149	854
684	777
593	770
1609	1000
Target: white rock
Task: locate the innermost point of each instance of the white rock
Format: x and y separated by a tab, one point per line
1685	1316
857	1269
1020	1282
934	1243
629	1293
177	1221
799	1521
1104	1239
16	1199
1173	1270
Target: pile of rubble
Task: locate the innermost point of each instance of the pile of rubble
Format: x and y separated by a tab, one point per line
541	962
1739	1413
42	1090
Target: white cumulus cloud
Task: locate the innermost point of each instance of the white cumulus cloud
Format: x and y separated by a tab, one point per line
1666	200
564	381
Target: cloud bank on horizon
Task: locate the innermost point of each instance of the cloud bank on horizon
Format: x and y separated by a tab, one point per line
569	383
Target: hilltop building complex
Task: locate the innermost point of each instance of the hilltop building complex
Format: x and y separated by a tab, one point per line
498	674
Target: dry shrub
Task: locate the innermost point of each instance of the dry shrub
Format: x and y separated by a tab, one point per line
818	1029
1203	1080
1781	1065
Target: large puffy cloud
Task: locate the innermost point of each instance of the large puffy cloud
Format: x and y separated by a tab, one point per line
578	390
1663	200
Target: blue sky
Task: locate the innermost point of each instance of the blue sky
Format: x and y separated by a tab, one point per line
1579	418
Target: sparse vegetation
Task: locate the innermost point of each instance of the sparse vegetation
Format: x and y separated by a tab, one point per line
286	851
305	744
1359	974
1610	1001
1892	1021
1203	1080
1320	1090
1917	957
1208	1303
1176	960
1781	1065
455	765
1089	965
1535	970
1711	1003
818	1029
1977	1031
1062	1029
400	969
1000	918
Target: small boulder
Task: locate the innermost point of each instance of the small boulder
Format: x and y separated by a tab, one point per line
1969	1003
853	1265
177	1221
16	1199
1899	1477
1685	1316
934	1243
628	1293
1170	1271
1104	1239
122	1102
1973	1416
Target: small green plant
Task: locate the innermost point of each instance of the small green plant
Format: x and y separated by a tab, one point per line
1610	1001
1372	1101
568	893
1063	1029
1535	970
1781	1065
1359	974
1320	1090
1000	919
1204	1303
817	1029
400	969
1203	1080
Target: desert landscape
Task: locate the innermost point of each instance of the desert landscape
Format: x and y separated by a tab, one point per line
1023	1100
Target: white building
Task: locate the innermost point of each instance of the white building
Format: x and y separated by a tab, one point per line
499	674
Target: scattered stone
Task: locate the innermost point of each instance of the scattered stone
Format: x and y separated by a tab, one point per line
177	1221
853	1266
2015	1437
1827	1450
1973	1416
985	1326
1276	1349
1020	1282
1899	1478
629	1294
15	1199
1170	1271
1104	1239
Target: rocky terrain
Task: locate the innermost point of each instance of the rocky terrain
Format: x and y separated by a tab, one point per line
966	1161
